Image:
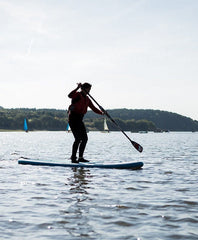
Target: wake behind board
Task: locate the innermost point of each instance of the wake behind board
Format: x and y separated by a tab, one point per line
133	166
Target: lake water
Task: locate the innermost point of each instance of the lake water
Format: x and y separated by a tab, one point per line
158	202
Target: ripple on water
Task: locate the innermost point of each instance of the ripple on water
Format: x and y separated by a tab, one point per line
158	202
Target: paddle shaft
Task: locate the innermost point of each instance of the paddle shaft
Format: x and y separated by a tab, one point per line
136	145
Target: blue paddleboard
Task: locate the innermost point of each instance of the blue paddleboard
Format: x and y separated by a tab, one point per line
134	165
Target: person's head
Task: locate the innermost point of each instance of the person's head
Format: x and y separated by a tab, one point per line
86	87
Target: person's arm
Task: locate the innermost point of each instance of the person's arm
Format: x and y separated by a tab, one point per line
96	110
72	93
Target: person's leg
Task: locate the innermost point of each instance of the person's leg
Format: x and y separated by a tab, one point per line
75	149
84	139
74	125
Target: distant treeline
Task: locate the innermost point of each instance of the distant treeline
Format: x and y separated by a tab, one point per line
129	120
37	119
163	120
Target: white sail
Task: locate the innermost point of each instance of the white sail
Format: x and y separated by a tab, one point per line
105	125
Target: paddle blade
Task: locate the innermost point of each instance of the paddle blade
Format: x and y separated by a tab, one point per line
137	146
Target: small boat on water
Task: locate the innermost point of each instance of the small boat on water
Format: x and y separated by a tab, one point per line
25	126
68	129
143	132
106	129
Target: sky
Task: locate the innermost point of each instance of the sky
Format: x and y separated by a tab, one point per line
137	54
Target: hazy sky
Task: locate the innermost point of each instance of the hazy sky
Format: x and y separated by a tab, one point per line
137	54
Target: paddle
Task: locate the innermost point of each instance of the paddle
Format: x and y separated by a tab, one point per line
136	145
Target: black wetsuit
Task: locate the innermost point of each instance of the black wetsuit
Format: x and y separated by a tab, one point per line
77	110
80	134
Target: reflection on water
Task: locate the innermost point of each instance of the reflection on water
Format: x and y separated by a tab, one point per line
76	216
79	182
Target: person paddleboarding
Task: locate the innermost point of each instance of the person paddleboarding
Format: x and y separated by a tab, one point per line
78	108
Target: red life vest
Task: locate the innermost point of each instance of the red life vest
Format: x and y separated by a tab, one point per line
80	103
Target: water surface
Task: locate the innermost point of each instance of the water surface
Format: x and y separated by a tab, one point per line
158	202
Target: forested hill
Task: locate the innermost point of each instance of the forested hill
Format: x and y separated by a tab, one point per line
128	119
162	119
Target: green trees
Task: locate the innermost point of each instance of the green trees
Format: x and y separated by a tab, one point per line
44	119
129	120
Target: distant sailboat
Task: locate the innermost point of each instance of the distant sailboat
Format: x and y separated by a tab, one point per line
106	129
68	129
25	126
